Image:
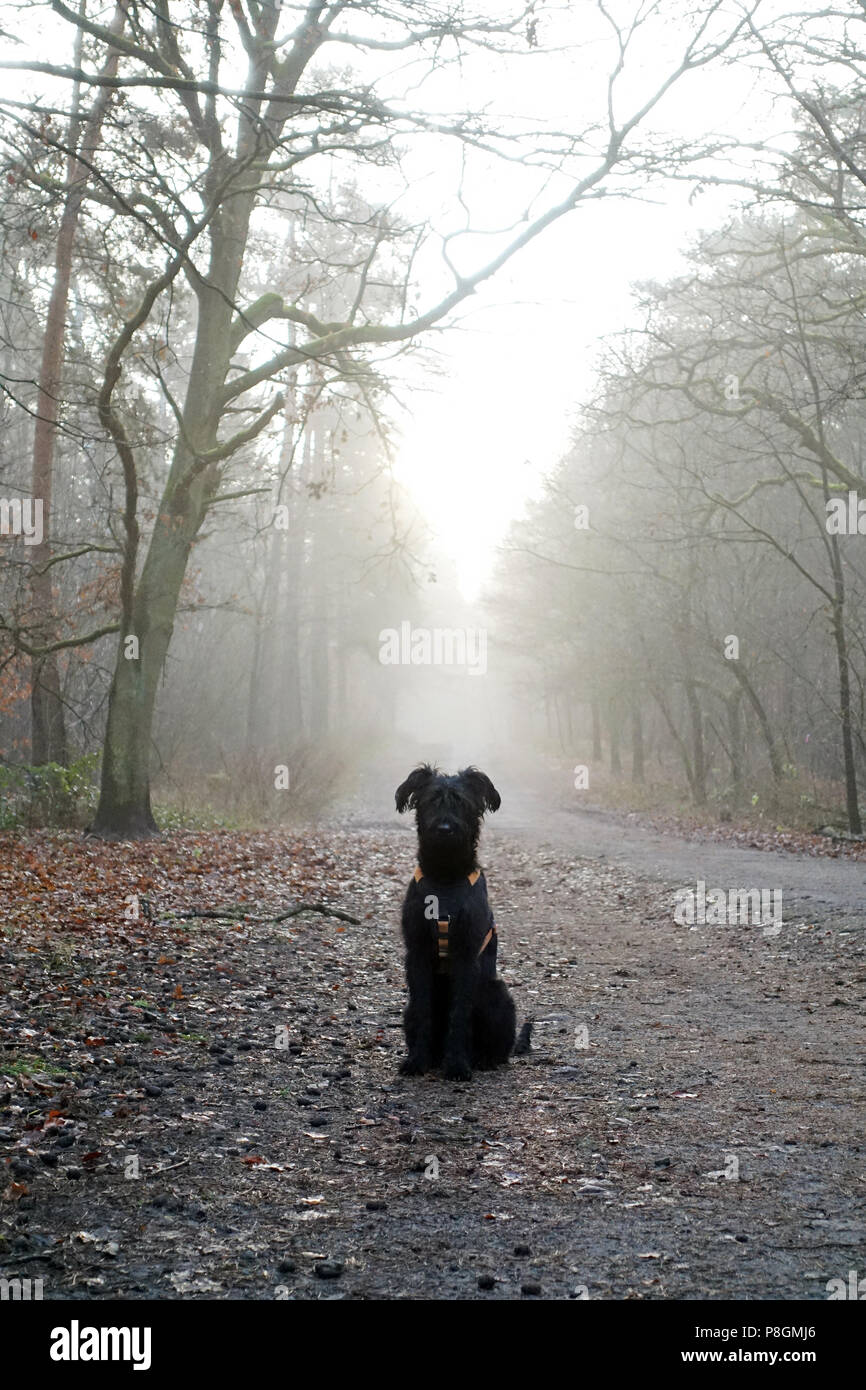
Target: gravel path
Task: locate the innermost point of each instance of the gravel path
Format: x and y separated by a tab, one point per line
688	1126
809	883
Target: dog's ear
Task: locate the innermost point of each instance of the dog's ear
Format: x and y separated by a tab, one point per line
482	789
406	796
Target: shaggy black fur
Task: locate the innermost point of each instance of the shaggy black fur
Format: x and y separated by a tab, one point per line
460	1015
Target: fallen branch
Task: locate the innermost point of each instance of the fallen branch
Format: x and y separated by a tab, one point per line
22	1259
195	912
314	907
238	914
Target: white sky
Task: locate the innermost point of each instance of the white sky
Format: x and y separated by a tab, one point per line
476	441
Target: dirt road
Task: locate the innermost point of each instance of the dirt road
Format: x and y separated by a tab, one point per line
689	1125
809	884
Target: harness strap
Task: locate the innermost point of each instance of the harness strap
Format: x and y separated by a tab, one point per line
443	937
443	925
473	877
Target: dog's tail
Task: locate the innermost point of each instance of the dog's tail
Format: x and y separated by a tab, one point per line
524	1039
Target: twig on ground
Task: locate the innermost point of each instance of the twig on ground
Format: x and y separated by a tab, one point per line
195	912
20	1259
315	907
239	915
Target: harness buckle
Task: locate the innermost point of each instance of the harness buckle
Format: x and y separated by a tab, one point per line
442	936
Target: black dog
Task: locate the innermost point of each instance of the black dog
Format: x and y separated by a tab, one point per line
459	1014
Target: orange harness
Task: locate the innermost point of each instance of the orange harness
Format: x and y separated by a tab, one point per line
443	925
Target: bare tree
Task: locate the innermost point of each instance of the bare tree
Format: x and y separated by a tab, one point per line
290	111
48	742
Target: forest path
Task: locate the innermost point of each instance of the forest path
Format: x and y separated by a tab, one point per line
689	1124
809	883
535	810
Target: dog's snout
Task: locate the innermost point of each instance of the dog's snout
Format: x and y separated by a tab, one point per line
444	827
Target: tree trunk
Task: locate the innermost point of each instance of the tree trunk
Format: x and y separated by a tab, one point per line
763	720
614	729
149	606
699	765
48	741
597	751
679	741
289	702
124	810
264	725
637	755
320	628
254	696
735	733
124	804
855	825
48	734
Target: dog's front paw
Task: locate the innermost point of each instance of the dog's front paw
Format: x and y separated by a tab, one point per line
456	1069
413	1065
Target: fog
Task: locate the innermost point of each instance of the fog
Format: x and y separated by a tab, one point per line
472	430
